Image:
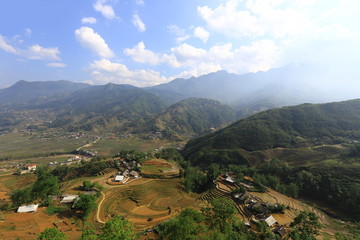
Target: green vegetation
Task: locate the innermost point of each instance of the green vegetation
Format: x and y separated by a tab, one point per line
115	229
186	225
214	222
31	145
87	169
189	117
284	127
45	185
85	205
305	226
51	210
52	234
331	175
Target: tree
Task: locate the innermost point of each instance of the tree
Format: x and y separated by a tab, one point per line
292	190
21	196
117	229
305	226
184	226
52	234
86	204
219	213
46	184
89	233
88	186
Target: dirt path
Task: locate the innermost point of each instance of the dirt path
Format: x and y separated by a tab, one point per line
89	144
98	209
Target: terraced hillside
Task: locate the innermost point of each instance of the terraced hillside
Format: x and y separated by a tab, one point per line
222	189
159	168
147	202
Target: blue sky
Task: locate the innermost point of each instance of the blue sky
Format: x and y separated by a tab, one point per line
143	42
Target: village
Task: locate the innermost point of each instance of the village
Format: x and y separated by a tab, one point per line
252	209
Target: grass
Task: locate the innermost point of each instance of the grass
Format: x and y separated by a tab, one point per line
108	147
25	145
17	181
51	210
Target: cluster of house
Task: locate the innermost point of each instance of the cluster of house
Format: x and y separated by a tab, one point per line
129	171
65	199
28	168
126	175
254	205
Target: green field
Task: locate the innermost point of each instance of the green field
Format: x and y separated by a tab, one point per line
108	147
26	145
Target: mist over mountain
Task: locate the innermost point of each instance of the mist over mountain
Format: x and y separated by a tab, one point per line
114	107
23	91
253	92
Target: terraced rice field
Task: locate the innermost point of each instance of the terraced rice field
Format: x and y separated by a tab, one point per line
147	203
159	168
294	205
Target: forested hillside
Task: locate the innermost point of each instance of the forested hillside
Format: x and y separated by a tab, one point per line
189	118
285	127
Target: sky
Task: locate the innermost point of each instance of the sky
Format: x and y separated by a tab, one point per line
149	42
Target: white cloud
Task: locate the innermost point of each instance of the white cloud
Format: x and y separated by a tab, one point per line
28	32
105	71
138	23
202	34
186	53
258	56
139	54
6	47
180	34
256	19
37	52
56	65
90	20
106	10
139	2
92	40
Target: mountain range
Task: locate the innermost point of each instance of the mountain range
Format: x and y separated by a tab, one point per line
177	108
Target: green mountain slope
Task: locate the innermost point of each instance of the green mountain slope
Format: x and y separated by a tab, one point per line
189	118
107	107
284	127
23	91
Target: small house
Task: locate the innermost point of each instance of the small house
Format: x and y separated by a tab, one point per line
281	231
119	178
30	167
69	198
126	172
230	179
134	174
28	208
270	220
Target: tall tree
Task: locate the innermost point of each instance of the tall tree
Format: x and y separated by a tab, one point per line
117	229
52	234
86	204
305	226
220	211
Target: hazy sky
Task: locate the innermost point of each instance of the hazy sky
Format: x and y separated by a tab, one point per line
147	42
